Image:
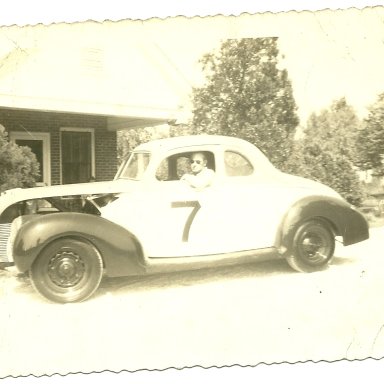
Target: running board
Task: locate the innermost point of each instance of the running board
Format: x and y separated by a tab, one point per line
171	264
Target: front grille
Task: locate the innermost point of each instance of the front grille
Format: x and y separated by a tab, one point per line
5	232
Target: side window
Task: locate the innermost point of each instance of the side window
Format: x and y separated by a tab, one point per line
175	166
236	164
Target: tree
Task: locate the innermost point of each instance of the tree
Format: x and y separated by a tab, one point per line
327	152
371	139
18	165
128	139
246	95
336	129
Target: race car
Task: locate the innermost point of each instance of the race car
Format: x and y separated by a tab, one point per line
149	220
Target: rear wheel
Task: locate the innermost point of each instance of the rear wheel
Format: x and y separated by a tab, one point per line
67	270
313	247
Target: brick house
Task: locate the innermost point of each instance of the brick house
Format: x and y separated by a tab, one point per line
66	89
70	148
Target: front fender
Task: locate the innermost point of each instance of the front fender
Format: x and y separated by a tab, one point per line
120	250
344	220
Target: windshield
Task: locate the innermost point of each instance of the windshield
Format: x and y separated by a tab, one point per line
135	166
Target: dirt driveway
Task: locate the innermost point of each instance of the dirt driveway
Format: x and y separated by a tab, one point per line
237	315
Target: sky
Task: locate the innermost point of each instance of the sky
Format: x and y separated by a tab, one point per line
329	56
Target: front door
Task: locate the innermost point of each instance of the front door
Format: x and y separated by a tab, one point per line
76	156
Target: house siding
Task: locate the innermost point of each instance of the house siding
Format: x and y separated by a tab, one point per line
39	121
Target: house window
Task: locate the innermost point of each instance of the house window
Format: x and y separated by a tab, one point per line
39	143
77	155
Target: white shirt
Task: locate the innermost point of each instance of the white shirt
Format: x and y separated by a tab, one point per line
200	180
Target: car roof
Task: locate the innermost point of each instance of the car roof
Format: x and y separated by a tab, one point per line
191	140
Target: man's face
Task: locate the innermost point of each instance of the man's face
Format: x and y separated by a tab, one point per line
197	163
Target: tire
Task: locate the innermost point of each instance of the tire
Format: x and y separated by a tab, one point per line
67	270
312	248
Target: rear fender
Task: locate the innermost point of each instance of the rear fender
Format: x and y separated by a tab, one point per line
121	251
342	219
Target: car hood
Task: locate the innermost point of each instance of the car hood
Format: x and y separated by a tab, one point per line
13	196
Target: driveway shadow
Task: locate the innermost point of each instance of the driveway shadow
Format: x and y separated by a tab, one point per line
263	269
342	261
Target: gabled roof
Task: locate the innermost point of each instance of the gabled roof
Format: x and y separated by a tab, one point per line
110	69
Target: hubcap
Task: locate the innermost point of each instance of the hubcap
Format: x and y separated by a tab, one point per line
66	269
314	247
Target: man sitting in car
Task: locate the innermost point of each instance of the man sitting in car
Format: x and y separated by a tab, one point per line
201	176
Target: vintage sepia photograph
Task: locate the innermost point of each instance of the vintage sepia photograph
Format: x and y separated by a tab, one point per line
186	192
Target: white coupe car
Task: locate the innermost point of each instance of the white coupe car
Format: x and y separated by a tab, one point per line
150	220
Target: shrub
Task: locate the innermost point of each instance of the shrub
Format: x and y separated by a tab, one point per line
18	165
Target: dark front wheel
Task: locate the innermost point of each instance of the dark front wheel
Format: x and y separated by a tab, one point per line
67	270
313	247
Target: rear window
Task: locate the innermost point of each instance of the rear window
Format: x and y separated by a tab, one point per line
236	164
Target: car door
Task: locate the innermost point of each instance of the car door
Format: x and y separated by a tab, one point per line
181	215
